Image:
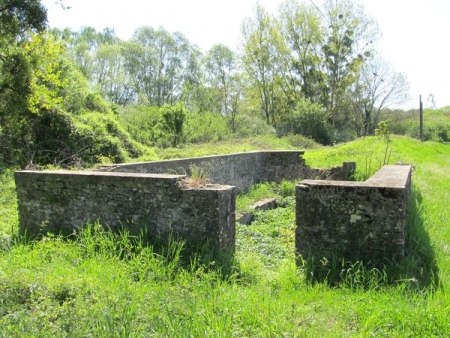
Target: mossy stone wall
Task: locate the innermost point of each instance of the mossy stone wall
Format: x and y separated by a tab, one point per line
354	220
63	201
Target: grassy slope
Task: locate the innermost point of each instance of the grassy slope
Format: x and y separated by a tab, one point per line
104	286
234	146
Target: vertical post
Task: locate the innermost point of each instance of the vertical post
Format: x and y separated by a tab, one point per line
421	118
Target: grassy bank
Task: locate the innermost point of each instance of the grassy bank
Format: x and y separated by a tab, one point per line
103	285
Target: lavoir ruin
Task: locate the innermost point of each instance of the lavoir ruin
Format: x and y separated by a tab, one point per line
357	219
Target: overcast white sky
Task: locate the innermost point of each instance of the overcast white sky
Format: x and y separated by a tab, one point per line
415	32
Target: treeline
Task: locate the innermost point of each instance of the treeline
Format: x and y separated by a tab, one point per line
78	97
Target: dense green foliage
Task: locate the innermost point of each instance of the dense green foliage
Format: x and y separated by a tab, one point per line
310	120
304	71
105	284
46	102
436	124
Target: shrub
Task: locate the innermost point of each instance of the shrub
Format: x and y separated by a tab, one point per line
308	119
100	135
141	123
250	125
436	124
172	122
301	141
94	102
206	127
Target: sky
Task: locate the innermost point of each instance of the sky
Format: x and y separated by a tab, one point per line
413	31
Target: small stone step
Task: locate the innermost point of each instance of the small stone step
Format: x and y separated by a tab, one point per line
265	204
246	218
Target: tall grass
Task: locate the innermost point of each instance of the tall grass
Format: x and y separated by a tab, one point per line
103	284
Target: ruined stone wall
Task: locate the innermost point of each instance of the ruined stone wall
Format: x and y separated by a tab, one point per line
283	165
241	170
63	201
354	220
149	194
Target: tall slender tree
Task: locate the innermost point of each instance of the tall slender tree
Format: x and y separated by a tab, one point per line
304	34
349	43
110	77
262	64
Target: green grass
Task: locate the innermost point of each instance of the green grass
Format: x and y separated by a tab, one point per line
257	193
265	142
436	124
105	285
283	193
8	203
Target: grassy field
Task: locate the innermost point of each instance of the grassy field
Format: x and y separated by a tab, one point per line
436	123
104	285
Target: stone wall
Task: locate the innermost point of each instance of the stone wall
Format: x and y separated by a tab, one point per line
151	195
63	201
354	220
241	170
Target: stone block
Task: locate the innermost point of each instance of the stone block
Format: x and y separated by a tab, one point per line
358	220
154	202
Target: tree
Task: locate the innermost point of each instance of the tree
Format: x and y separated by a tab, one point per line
220	68
158	63
378	87
110	77
308	119
17	19
39	129
304	35
261	64
39	122
92	52
222	86
348	44
307	54
84	44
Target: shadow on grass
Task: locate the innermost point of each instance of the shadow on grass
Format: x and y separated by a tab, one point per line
204	257
419	263
417	270
130	241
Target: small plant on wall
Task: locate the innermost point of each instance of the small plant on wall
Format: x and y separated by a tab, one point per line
199	178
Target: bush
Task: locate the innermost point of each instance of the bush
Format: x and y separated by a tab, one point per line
206	127
301	141
250	125
55	137
342	134
141	123
308	119
94	102
38	139
436	124
171	123
155	126
101	135
170	126
433	131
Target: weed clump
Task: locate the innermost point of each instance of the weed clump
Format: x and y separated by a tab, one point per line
199	178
